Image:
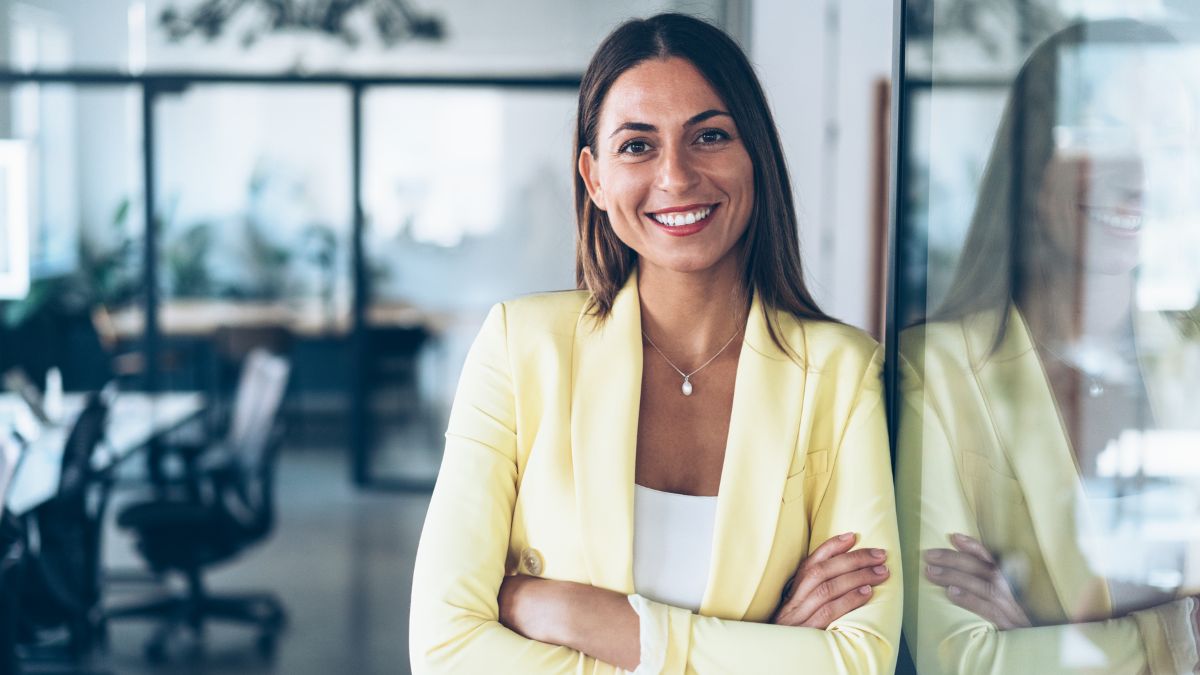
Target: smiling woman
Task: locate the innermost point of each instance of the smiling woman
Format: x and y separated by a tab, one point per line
623	489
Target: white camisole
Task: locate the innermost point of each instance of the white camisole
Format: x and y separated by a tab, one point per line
672	546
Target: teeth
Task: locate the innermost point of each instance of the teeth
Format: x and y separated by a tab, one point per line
677	219
1117	221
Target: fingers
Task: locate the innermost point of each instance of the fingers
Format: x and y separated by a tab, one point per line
832	590
972	546
970	580
832	610
816	578
831	547
991	587
983	586
963	562
984	608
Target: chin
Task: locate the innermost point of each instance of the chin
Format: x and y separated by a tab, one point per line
684	264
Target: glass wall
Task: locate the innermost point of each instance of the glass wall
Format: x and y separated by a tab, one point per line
467	194
83	192
1047	320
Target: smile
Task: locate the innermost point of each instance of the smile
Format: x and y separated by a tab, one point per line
680	218
1129	223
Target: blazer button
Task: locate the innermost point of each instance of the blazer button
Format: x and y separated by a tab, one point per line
531	561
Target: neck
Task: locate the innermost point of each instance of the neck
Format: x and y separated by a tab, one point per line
1083	305
691	315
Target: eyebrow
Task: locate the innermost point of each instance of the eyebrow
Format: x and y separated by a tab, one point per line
693	120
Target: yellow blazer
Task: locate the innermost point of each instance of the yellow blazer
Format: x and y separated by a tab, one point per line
983	452
538	477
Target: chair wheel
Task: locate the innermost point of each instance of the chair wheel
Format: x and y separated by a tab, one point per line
155	651
268	645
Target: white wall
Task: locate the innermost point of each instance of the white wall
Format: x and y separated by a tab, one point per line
819	61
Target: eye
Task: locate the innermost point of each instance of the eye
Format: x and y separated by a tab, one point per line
711	136
633	147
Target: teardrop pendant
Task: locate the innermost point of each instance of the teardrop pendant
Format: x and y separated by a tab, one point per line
687	387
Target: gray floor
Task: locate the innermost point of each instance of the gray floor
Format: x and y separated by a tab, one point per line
340	559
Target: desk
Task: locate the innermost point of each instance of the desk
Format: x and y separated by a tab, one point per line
134	420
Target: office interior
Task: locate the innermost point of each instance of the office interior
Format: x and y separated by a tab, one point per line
245	246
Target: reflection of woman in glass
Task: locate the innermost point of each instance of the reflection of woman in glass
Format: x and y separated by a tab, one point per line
685	466
1033	373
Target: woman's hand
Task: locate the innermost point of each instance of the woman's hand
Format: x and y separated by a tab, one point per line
973	581
831	582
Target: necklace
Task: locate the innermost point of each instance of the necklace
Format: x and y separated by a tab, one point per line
1099	367
687	387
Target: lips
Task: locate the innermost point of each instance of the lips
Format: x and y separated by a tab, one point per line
683	220
1119	222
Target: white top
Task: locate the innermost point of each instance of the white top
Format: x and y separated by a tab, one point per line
672	546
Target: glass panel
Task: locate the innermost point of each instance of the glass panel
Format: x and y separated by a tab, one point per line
254	194
384	37
1049	282
468	201
63	34
81	166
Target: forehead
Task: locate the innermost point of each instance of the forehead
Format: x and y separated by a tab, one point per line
658	89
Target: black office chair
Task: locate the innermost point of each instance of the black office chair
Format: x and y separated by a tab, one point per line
60	569
224	506
11	553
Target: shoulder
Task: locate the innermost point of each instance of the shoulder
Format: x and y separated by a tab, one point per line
832	348
555	312
964	342
534	322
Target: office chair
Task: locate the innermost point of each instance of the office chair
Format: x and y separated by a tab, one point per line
11	551
224	506
60	568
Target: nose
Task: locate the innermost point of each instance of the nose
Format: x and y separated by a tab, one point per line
676	172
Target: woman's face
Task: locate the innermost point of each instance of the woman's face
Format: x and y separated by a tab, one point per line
1092	209
669	168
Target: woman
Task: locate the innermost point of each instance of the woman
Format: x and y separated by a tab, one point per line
1034	372
683	466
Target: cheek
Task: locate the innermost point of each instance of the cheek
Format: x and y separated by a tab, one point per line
625	191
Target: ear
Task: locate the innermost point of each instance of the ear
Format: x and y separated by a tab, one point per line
589	171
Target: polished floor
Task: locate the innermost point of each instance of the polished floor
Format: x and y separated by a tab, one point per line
340	559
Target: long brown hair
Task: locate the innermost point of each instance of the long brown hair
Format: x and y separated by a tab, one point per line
771	250
1004	259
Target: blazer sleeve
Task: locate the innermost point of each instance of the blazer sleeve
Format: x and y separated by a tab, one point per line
460	563
859	498
948	639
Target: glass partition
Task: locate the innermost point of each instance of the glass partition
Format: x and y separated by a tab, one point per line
1047	277
80	166
254	196
467	194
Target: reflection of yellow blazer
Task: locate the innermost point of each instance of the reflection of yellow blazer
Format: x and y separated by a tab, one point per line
538	476
983	452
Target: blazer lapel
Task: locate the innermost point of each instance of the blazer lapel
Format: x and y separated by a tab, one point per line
605	396
763	428
1032	435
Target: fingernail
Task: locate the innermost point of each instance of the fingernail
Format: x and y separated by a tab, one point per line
933	555
846	537
958	537
879	569
864	590
878	553
934	570
953	591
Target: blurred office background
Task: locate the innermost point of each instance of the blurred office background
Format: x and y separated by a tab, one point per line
348	186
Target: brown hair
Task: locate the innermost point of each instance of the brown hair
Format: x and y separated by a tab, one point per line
1004	259
771	252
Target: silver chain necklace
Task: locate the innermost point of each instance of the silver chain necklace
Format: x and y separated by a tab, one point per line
687	387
